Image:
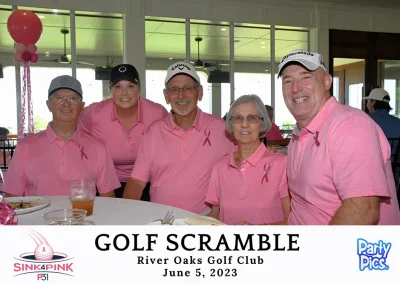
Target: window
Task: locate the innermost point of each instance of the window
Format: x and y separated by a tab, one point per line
8	100
355	95
99	44
287	39
246	84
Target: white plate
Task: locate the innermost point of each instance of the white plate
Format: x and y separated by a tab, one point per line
38	202
178	222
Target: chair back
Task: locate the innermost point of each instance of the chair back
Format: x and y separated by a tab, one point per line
7	149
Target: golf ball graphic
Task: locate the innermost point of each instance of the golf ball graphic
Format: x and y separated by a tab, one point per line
44	252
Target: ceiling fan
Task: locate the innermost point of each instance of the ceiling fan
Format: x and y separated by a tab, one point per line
66	58
200	64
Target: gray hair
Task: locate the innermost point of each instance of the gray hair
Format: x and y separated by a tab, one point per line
262	112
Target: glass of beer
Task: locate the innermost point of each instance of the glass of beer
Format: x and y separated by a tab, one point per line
82	194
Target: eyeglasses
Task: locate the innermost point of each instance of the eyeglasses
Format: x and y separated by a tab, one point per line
251	118
186	90
72	100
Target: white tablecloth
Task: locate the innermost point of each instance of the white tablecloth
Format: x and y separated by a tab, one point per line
109	211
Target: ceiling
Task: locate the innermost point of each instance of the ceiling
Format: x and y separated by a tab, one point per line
101	35
368	3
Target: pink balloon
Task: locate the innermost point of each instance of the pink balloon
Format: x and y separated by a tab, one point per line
20	47
34	58
31	48
18	57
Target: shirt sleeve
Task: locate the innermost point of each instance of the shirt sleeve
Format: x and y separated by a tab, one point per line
212	196
358	156
107	179
283	184
15	180
85	121
274	133
142	168
164	112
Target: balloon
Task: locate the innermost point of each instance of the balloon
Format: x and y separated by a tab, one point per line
20	47
34	58
31	48
24	27
18	57
26	56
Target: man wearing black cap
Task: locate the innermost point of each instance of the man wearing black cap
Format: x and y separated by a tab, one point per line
45	162
328	176
121	120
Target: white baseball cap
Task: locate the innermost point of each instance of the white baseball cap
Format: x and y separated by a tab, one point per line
182	67
378	94
311	61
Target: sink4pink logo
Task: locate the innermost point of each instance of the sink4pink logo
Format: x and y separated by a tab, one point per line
43	261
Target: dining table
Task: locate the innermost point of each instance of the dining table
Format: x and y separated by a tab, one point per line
109	211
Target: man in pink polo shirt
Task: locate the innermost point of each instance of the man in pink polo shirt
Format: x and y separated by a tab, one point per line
178	152
44	162
339	169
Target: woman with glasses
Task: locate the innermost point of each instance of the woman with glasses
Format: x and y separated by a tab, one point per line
250	185
121	121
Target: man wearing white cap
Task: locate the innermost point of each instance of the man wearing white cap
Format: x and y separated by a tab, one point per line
379	107
178	152
339	169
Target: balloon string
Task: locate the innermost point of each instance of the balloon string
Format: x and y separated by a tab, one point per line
23	106
31	126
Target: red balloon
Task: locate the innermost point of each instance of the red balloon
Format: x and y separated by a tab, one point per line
24	27
34	58
26	56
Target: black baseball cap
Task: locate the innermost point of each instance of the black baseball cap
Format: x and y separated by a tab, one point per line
124	72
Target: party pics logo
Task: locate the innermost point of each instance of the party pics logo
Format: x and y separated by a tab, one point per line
43	261
373	256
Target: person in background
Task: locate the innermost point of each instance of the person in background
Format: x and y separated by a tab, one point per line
379	108
121	121
45	162
249	186
274	136
4	133
178	152
339	170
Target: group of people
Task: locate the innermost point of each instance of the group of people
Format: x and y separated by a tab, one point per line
196	161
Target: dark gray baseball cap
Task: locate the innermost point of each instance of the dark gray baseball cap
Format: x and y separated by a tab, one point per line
65	82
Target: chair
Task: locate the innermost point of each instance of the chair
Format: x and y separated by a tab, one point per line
7	148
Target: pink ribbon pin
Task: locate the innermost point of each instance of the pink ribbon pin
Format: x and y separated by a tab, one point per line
266	171
207	133
82	153
316	138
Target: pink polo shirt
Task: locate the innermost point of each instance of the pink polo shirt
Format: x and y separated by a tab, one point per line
274	133
341	154
178	164
100	120
251	193
43	164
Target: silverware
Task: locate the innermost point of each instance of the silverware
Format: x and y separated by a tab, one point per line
168	219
